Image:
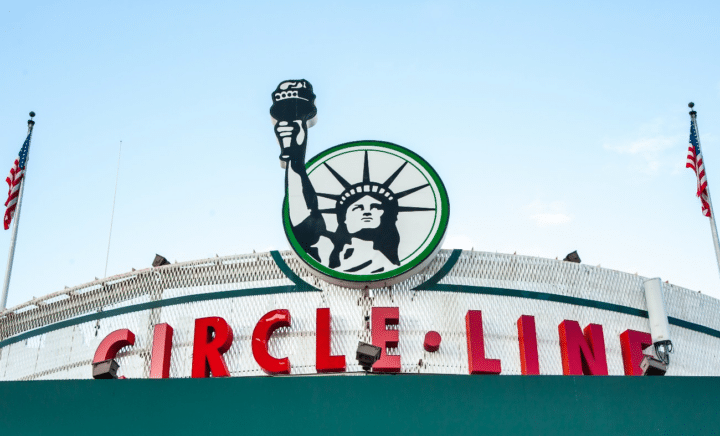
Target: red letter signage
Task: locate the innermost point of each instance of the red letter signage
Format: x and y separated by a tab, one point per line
632	344
324	362
384	338
112	343
208	348
477	363
162	346
529	364
582	354
270	322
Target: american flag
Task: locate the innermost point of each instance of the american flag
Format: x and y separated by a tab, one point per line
13	180
695	161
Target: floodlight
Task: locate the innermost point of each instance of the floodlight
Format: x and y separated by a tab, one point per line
160	261
368	354
106	369
572	257
652	366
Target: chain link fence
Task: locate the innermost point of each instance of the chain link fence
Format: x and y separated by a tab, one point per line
55	337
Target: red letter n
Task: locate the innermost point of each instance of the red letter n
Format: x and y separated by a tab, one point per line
324	362
582	354
213	337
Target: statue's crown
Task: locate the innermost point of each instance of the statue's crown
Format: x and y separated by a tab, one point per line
352	192
362	188
284	95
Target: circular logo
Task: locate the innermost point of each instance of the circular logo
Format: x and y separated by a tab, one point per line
365	213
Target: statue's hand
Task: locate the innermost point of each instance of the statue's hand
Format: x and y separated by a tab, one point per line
292	137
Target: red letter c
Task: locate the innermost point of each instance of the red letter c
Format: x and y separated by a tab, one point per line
112	343
270	322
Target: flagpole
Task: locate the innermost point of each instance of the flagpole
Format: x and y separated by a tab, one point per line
713	226
11	255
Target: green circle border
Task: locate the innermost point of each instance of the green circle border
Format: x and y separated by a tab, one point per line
419	259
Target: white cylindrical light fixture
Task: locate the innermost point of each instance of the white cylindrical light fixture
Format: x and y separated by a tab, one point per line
659	326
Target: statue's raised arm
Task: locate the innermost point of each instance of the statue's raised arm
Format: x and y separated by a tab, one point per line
293	112
342	212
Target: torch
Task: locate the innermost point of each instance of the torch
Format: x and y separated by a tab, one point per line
293	111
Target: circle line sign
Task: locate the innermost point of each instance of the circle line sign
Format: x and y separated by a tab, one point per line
365	213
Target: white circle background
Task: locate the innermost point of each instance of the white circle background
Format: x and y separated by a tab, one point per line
416	229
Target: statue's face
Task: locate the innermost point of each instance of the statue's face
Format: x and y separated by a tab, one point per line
365	213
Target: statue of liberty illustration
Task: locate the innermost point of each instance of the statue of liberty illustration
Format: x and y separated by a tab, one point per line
366	239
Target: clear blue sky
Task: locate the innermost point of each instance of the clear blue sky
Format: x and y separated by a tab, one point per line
555	127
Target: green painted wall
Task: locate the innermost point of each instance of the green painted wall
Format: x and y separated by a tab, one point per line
399	405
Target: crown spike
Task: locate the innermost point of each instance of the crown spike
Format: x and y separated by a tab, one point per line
337	176
400	195
392	178
333	210
366	169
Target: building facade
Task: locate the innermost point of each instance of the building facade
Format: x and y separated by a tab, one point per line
57	336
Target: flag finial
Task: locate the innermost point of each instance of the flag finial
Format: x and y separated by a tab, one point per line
691	105
30	121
